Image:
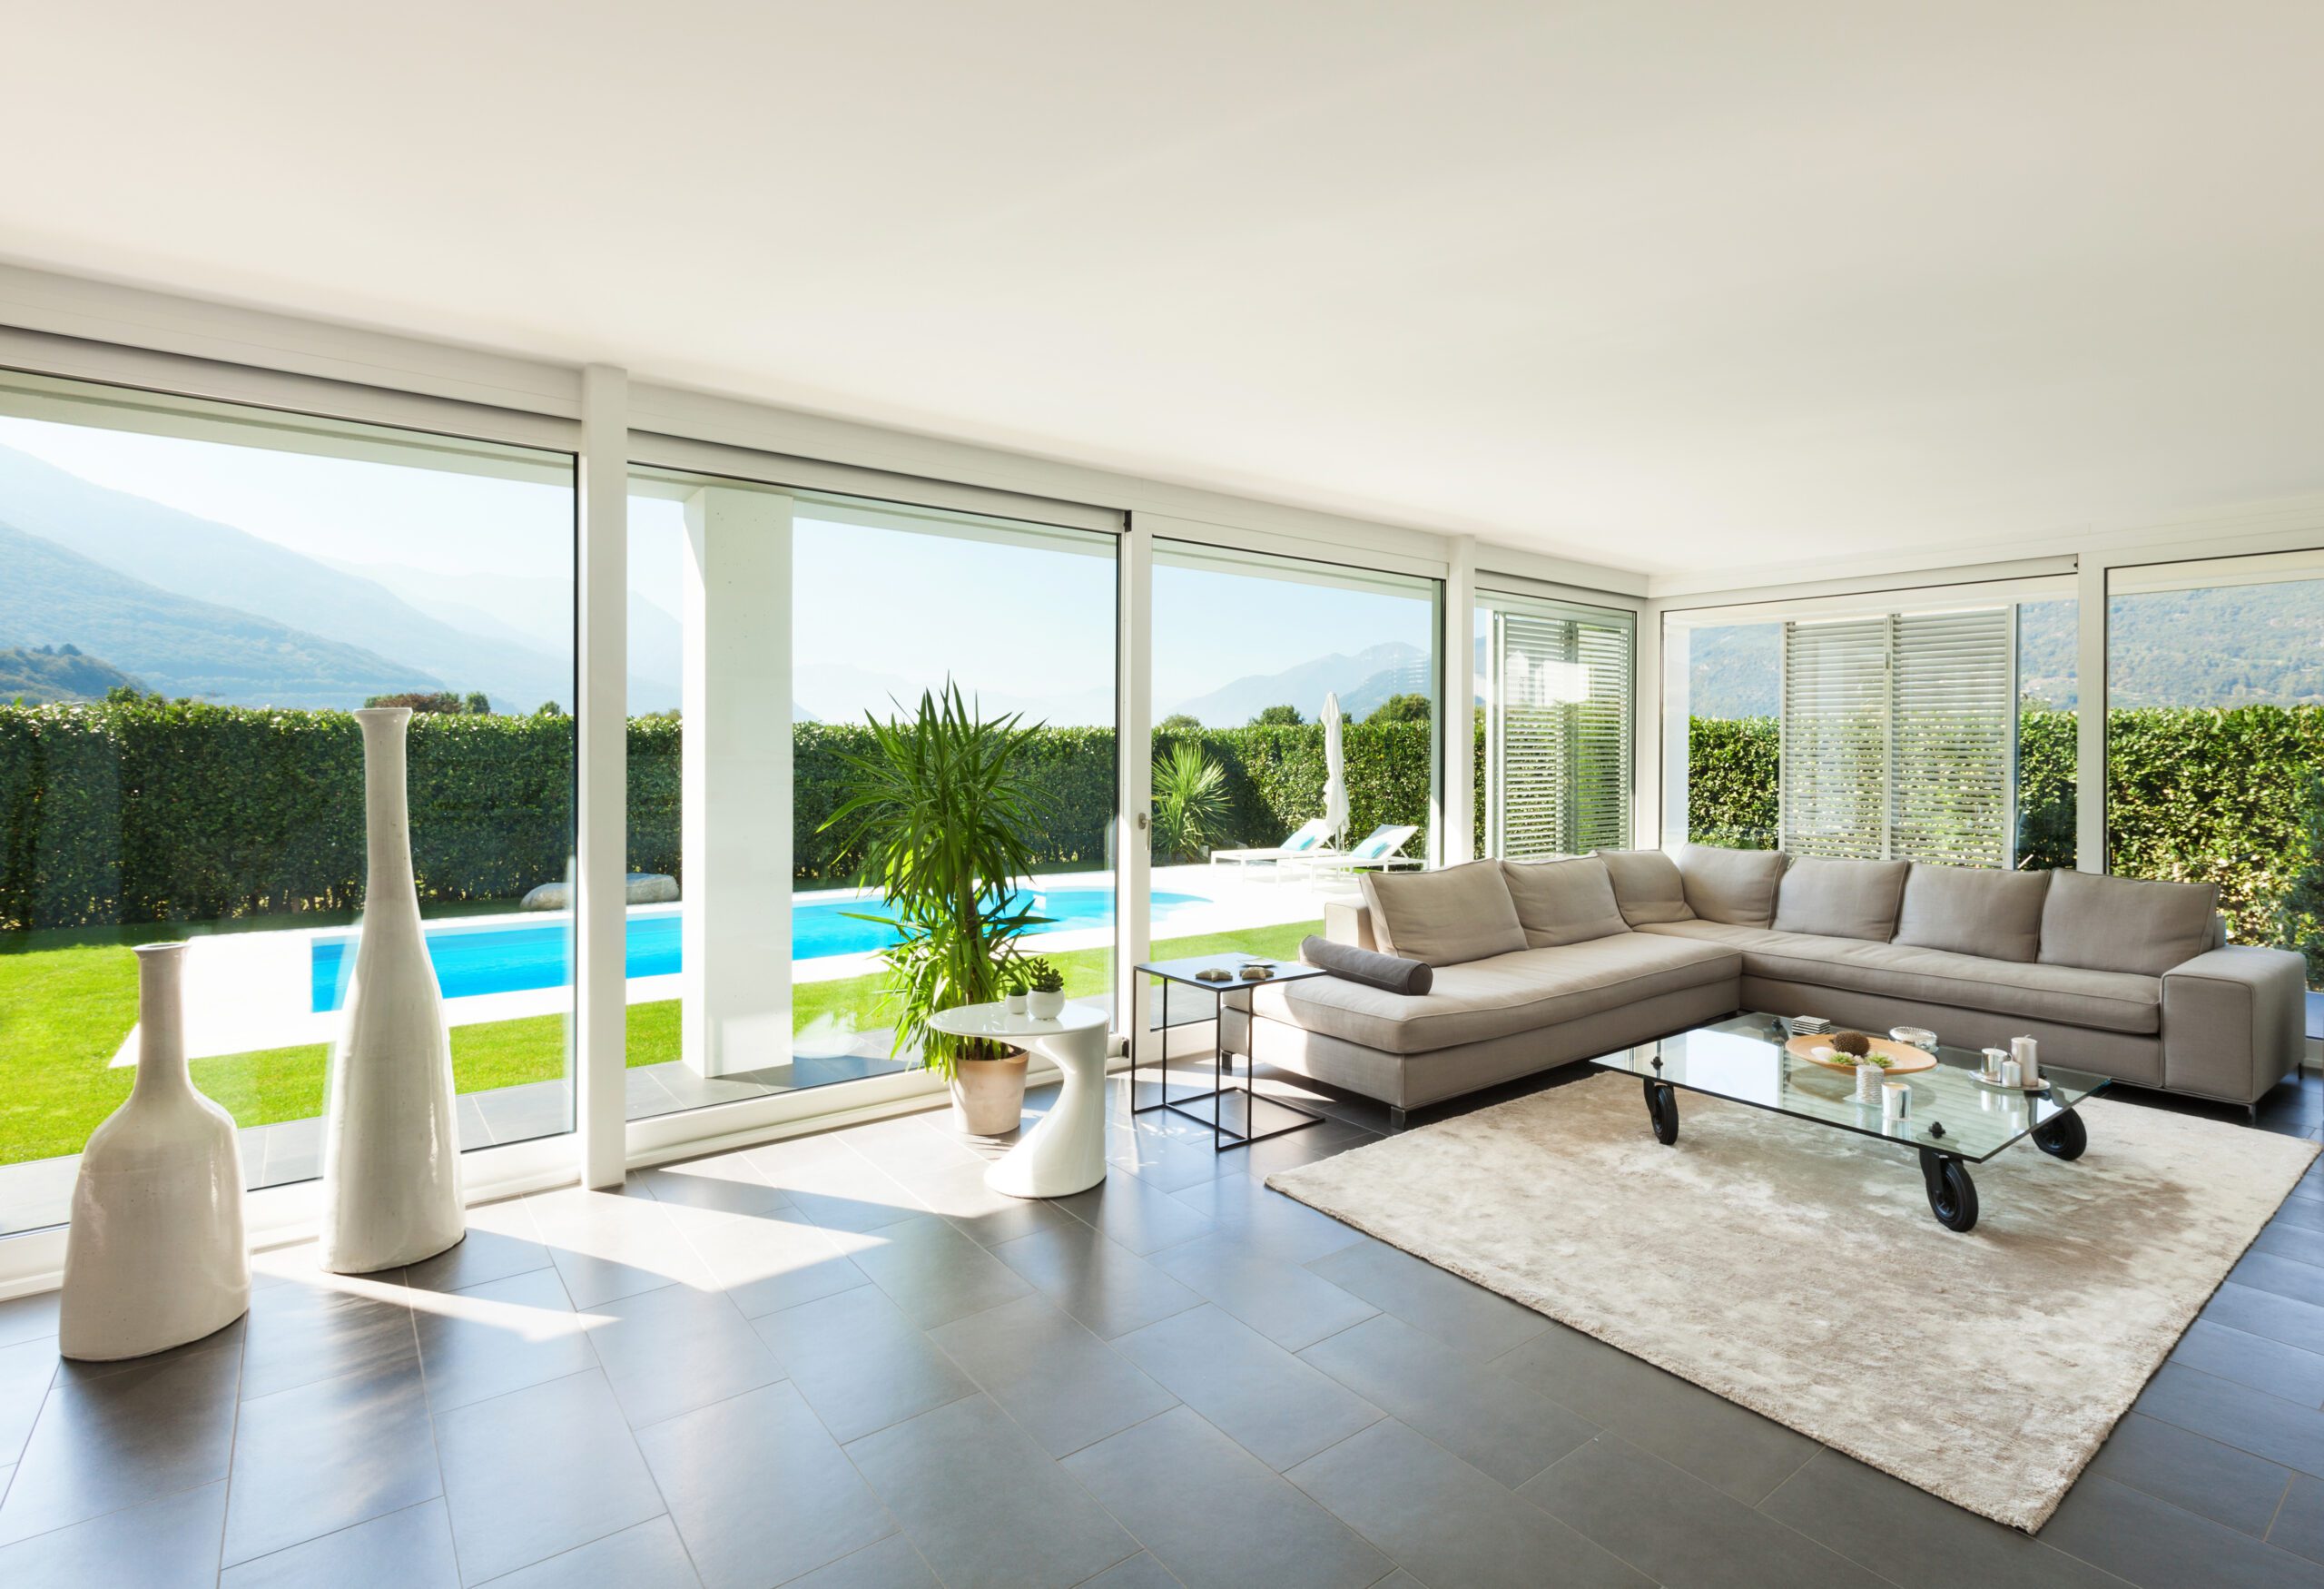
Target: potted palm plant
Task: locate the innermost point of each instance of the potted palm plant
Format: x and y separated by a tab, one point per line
938	813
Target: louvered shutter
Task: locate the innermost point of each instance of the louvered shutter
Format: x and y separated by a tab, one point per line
1558	733
1834	769
1600	782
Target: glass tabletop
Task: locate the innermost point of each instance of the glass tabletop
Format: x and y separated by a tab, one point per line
1188	970
1743	1059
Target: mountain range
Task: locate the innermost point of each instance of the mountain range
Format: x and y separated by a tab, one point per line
50	673
1363	680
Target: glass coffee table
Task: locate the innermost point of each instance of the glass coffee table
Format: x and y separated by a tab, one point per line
1953	1120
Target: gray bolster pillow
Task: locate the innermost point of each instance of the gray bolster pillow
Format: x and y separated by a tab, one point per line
1388	973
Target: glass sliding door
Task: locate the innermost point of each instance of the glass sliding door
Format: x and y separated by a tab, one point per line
193	596
2215	737
1722	720
778	638
1557	684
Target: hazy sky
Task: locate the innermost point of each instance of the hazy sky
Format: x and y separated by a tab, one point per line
1029	620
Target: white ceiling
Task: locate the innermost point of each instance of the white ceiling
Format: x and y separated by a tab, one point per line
1659	285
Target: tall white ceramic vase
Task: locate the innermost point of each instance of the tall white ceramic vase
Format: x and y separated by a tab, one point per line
391	1159
156	1256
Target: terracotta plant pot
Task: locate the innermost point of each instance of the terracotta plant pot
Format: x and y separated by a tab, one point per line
989	1095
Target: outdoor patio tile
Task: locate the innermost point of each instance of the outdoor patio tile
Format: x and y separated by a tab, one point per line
1914	1539
298	1474
2254	1360
985	1506
501	1241
1467	1318
767	1262
607	1245
1214	1515
410	1549
169	1543
2157	1545
2236	1414
498	1337
106	1441
1280	1409
2269	1313
1448	1522
1490	1422
860	1364
933	1272
1135	1214
648	1556
833	1186
760	1491
320	1327
1108	1287
892	1564
26	1370
1291	1306
1267	1221
2194	1471
671	1350
2300	1523
1730	1447
1065	1387
29	1318
532	1474
469	1120
518	1114
1678	1529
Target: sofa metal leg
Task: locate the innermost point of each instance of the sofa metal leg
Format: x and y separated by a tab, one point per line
1395	1120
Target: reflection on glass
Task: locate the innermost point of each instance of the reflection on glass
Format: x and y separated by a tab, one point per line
191	596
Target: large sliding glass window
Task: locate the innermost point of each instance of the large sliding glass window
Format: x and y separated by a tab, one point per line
192	596
2215	737
775	634
1556	690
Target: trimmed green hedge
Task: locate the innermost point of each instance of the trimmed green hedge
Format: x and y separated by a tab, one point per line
2214	794
149	811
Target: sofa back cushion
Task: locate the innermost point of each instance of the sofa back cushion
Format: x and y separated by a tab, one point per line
1734	886
1841	899
1563	902
1463	912
1973	909
2120	923
1646	886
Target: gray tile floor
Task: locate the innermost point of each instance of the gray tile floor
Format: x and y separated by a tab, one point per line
839	1361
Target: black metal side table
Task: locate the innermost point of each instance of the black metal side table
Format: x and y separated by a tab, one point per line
1185	973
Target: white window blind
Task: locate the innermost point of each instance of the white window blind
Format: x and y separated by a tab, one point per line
1557	731
1899	737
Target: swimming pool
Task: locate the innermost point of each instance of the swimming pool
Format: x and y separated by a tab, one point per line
523	955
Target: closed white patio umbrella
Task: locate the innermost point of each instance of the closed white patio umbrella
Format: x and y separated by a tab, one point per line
1334	773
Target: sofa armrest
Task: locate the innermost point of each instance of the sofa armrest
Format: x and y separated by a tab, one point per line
2234	1022
1348	921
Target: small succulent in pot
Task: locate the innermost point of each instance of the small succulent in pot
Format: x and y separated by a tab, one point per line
1012	990
1045	989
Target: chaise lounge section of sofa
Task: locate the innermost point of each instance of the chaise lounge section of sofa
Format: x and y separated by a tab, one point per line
1542	963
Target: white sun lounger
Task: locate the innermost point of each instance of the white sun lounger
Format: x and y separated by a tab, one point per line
1312	839
1376	853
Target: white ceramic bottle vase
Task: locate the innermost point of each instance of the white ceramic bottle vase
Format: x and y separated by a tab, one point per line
391	1160
154	1256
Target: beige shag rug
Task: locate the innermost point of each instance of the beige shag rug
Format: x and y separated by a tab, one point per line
1797	1270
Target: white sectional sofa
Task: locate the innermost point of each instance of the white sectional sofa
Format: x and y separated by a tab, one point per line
1543	963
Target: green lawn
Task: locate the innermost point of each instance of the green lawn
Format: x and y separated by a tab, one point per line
67	1000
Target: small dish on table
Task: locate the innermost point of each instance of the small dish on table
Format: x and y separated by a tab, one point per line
1903	1058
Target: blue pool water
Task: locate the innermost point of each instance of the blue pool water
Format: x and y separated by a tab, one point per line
506	959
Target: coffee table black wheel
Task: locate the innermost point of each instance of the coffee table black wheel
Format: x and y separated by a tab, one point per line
1662	1109
1952	1195
2062	1136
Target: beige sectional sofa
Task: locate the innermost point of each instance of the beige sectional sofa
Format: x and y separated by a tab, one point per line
1542	963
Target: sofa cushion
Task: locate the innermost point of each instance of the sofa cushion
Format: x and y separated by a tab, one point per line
1647	885
2102	1000
1480	999
1736	886
2120	923
1841	899
1563	902
1973	909
1461	913
1368	966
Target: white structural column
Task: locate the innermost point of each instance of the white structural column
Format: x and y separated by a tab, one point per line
601	859
734	781
1134	716
1453	825
1660	733
2090	720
